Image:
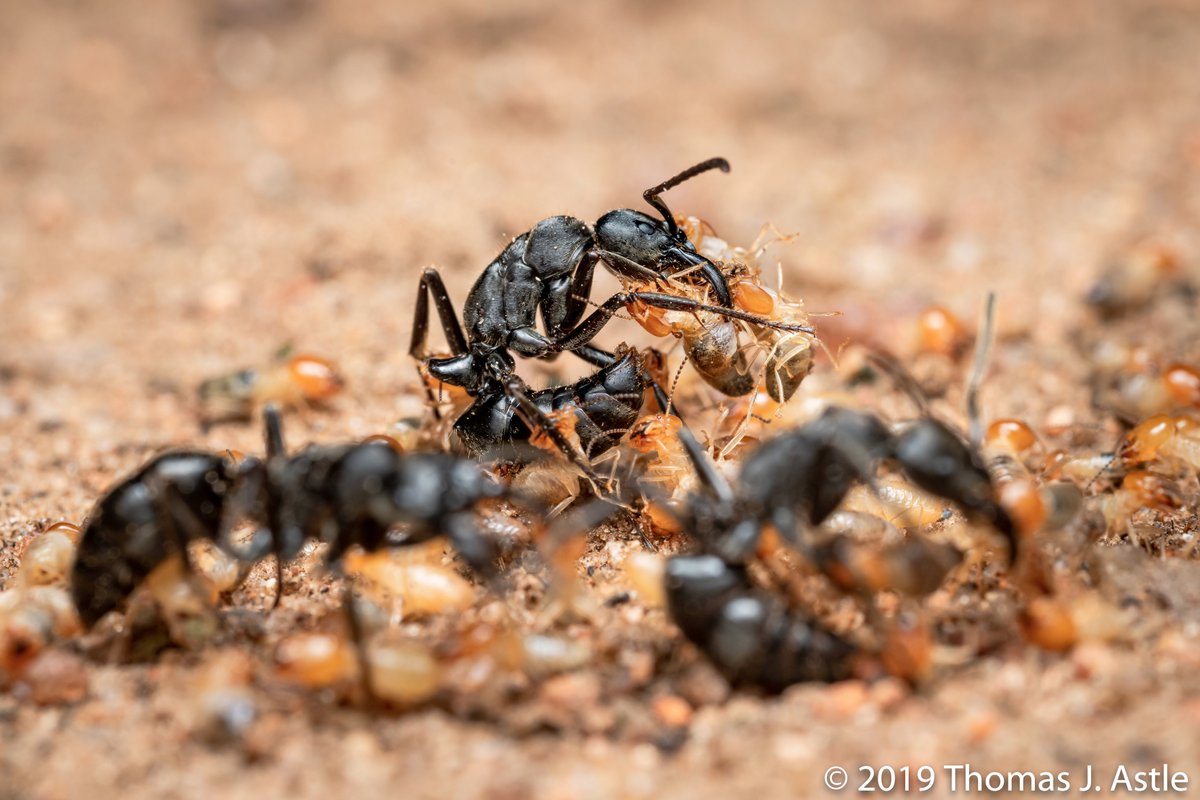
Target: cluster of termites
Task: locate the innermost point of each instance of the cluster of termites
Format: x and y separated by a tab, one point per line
746	495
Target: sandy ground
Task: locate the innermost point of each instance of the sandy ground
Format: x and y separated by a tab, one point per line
187	187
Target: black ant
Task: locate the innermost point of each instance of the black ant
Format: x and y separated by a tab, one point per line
550	268
798	478
801	476
752	637
342	495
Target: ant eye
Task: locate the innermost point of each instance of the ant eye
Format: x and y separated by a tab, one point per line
646	228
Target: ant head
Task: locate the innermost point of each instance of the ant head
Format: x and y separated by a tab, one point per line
636	240
637	246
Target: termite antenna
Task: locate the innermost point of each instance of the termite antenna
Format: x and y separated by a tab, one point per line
674	384
983	347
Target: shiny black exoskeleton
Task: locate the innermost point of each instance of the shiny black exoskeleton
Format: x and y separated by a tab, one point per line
800	477
341	495
752	637
605	404
174	499
549	270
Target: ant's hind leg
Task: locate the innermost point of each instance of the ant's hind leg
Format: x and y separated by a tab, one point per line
359	640
476	549
273	431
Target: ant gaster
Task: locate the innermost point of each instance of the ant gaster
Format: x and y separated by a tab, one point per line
343	495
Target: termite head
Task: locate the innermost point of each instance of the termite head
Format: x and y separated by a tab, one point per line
1153	491
656	432
317	378
939	331
1146	439
694	228
1012	435
1182	383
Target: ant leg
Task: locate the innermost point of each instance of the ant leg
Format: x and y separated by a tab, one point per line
477	550
359	640
653	194
273	431
584	332
708	475
566	297
595	356
534	417
432	283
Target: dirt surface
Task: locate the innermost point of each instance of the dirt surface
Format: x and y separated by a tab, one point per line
188	187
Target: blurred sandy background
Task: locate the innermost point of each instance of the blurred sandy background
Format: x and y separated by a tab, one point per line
184	187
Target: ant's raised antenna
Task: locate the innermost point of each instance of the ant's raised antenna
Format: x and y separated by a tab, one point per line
274	431
652	194
983	346
904	380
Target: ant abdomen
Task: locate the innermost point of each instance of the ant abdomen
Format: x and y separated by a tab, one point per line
151	515
750	636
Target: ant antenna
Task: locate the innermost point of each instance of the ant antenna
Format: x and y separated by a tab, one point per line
983	347
274	431
652	197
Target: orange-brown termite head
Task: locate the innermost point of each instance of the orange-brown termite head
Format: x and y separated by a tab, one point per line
564	421
1047	623
652	318
68	529
1144	442
1023	501
657	432
939	331
390	441
694	228
749	296
908	649
1012	434
1152	491
1182	383
317	378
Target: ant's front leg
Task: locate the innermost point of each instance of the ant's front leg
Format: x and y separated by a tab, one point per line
474	547
587	330
566	296
431	283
